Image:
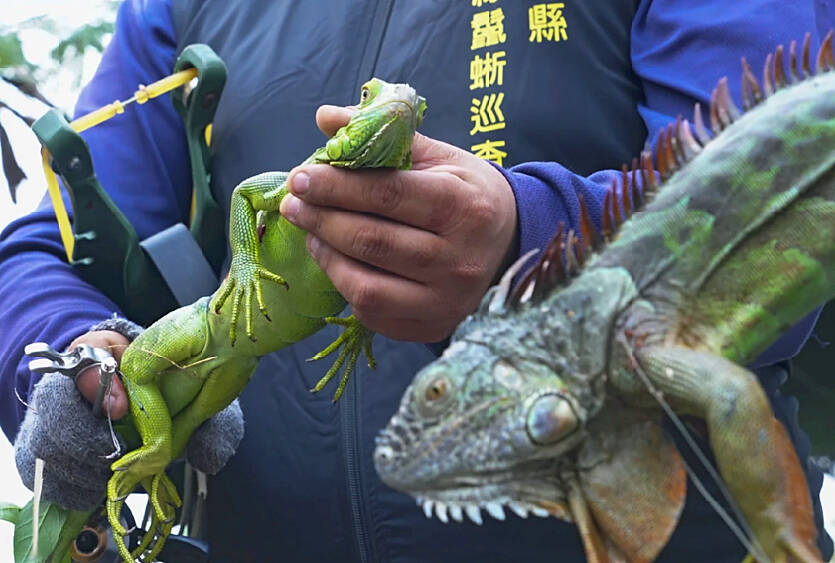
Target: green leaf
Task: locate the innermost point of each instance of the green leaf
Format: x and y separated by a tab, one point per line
11	52
51	520
9	512
89	35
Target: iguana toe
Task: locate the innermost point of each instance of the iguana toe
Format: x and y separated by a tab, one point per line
355	339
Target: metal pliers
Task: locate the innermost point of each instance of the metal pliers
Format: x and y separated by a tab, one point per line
72	363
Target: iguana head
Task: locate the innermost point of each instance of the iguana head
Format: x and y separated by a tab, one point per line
489	423
380	133
478	430
496	420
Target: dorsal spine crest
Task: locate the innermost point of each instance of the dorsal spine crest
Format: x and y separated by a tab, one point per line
675	146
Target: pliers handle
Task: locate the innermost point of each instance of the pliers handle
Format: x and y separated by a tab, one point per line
72	363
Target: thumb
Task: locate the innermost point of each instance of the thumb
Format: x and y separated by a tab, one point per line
330	118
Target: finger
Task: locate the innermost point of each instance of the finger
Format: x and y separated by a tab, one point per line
399	249
330	118
429	153
109	340
116	402
373	292
429	200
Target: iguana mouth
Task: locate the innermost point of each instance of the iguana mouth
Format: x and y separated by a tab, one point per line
524	489
472	495
445	509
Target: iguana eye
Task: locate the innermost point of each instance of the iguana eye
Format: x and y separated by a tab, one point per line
364	94
436	389
434	395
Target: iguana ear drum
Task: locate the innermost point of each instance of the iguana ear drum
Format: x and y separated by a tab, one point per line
550	419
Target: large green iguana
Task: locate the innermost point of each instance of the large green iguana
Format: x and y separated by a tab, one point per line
549	398
189	365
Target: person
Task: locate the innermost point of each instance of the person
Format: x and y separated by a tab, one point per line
554	93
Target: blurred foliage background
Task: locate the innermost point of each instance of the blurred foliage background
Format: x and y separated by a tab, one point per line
43	55
48	50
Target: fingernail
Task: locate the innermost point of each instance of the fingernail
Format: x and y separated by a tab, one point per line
313	245
301	182
289	207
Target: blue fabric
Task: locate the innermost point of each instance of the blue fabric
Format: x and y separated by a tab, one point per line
678	51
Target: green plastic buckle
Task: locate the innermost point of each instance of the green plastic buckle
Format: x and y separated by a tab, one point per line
197	108
107	253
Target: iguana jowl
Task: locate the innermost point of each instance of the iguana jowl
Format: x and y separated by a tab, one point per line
189	365
548	399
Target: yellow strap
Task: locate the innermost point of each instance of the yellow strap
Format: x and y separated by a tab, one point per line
58	204
142	95
207	135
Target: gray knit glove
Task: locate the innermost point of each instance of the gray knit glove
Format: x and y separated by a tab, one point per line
216	440
60	428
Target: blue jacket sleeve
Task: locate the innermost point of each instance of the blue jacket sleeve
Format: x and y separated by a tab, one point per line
679	51
152	191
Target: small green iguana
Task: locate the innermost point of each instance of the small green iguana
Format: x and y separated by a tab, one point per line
550	397
189	365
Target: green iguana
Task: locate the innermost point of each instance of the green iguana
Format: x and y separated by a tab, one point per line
189	365
549	399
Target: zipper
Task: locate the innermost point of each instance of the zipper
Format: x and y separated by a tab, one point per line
350	402
351	429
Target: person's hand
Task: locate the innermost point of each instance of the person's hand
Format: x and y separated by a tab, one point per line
116	402
412	251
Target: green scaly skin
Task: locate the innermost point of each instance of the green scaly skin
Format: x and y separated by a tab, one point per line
549	403
190	364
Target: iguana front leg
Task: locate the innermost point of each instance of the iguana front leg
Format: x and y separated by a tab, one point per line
263	192
752	450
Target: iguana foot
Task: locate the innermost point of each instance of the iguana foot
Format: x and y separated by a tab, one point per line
244	281
356	338
164	498
142	465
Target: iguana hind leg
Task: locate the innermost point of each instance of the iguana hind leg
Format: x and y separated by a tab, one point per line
150	459
753	452
168	345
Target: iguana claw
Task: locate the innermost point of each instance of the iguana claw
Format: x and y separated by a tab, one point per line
158	530
245	281
164	500
162	495
356	338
